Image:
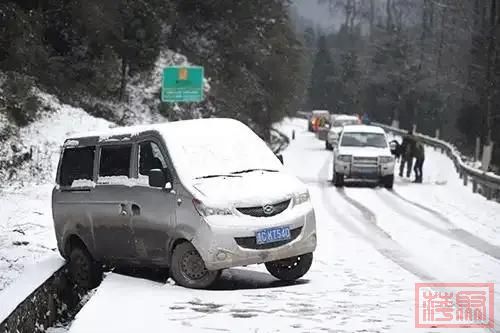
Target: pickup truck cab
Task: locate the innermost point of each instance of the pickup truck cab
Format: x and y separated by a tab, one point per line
363	153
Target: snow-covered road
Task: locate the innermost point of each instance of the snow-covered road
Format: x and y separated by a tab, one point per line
373	246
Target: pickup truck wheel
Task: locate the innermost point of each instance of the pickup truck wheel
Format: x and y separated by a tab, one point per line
84	271
290	269
338	179
389	182
188	269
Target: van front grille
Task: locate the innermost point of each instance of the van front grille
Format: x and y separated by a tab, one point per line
265	211
251	242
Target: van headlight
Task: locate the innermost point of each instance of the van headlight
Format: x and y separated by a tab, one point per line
344	158
205	210
386	159
301	198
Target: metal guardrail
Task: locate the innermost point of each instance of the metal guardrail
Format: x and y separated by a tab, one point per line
485	183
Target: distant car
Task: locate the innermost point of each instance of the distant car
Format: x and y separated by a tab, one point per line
193	197
314	116
338	123
363	153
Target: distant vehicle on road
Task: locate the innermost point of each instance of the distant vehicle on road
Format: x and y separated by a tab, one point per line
363	153
338	123
315	115
193	196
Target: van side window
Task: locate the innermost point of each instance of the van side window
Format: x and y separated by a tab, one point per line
150	157
77	164
115	161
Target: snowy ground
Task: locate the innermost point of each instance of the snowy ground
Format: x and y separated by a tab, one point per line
26	232
374	245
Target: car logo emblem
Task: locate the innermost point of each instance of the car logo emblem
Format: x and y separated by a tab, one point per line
268	209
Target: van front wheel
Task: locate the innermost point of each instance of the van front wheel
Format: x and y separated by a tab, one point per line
188	269
290	269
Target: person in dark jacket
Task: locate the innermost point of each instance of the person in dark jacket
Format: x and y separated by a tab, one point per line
407	147
419	153
395	149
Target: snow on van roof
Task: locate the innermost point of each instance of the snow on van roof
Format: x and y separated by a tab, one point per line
320	111
344	117
178	127
363	129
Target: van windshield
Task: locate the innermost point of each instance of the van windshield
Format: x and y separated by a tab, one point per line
224	151
363	140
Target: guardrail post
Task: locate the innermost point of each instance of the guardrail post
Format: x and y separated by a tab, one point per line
460	174
477	150
489	193
414	128
437	133
474	186
293	135
466	179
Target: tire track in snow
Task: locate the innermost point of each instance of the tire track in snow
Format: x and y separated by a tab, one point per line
379	239
452	232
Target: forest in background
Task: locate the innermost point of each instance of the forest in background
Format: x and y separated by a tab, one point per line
86	52
432	63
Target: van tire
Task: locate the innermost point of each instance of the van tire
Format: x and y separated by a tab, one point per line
186	269
388	182
290	269
84	271
338	179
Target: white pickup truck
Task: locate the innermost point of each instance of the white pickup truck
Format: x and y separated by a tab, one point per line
363	153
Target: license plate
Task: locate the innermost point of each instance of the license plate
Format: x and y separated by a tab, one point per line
273	235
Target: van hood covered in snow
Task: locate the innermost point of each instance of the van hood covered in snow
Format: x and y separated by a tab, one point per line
250	189
200	148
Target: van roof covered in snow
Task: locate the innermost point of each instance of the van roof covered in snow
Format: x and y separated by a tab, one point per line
197	147
363	129
174	129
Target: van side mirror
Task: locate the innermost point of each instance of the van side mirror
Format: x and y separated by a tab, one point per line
280	157
157	178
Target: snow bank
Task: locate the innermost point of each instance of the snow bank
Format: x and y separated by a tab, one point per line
34	275
26	226
42	140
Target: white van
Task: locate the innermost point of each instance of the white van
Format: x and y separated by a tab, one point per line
194	196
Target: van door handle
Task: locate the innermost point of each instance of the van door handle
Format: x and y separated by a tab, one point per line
136	210
123	211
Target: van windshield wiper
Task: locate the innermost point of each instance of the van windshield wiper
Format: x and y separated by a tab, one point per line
215	176
252	170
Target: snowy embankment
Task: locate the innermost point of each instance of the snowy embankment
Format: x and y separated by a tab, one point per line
26	233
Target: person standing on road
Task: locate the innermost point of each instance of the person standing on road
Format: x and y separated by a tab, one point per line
419	153
407	147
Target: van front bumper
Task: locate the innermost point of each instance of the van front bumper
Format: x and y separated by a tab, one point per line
351	171
229	241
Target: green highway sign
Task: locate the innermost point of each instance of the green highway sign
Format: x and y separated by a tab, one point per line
182	84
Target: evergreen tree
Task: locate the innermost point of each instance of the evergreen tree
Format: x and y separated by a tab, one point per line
321	92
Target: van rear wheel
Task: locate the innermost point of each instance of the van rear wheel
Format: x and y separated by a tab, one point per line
290	269
84	271
188	269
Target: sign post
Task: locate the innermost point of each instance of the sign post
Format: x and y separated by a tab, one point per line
182	84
